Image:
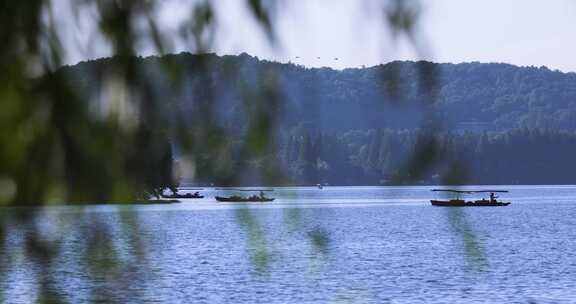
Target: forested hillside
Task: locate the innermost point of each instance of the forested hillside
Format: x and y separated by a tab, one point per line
519	156
504	124
468	95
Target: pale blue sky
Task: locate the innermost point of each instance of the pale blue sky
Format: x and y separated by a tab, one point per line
521	32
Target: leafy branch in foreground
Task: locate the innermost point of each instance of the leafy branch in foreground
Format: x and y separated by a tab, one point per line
60	145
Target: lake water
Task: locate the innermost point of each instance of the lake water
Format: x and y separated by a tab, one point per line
335	245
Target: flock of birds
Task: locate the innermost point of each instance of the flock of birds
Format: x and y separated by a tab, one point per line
335	58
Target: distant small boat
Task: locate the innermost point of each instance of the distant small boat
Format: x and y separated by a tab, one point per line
462	203
260	198
187	195
319	186
241	199
457	202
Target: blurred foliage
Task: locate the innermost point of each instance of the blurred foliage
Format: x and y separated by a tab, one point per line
80	154
62	146
473	251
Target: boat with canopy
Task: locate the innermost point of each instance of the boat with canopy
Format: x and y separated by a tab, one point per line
459	202
260	198
176	194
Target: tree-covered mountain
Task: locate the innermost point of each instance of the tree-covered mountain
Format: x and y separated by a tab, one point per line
502	123
473	96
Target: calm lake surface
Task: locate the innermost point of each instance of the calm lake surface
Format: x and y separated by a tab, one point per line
335	245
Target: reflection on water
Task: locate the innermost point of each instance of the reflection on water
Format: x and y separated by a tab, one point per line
358	244
473	251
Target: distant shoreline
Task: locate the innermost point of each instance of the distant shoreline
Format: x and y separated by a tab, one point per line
364	185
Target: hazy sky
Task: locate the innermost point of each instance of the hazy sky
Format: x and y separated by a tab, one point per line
521	32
